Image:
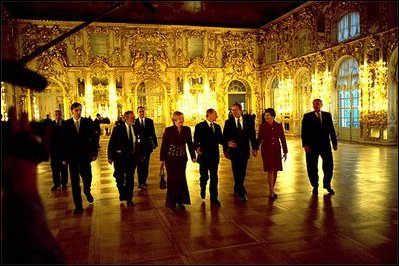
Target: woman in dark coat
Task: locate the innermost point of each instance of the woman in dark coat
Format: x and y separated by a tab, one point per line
271	136
173	155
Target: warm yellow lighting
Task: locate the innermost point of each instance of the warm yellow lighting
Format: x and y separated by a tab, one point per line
285	97
36	113
373	85
113	101
321	88
4	108
88	108
195	100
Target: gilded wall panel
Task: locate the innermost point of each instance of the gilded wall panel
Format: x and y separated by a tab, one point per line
176	55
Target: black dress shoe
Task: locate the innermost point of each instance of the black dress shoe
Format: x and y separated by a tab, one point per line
90	198
331	191
202	193
275	195
315	191
77	211
54	188
181	207
244	198
216	203
130	203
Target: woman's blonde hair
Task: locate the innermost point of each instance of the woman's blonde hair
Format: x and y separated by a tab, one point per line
175	115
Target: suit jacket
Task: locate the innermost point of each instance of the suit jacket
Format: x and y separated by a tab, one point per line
97	126
118	144
171	137
318	136
149	138
79	147
56	140
272	139
230	132
208	141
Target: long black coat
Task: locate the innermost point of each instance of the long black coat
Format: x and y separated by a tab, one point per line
173	152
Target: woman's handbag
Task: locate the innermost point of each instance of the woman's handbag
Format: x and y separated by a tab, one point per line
162	180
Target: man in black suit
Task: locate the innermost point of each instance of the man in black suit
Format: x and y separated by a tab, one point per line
79	150
97	128
149	141
124	149
47	121
59	170
207	137
317	135
238	133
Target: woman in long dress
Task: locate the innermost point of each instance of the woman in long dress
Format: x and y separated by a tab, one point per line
174	157
271	137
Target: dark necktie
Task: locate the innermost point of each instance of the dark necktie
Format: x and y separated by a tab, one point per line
130	135
77	125
213	128
239	127
318	117
142	123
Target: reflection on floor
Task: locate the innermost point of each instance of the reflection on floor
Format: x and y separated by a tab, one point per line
357	225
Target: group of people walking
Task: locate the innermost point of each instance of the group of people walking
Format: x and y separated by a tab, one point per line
133	140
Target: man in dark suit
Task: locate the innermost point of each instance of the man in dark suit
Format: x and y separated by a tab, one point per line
207	137
317	135
97	128
124	149
59	170
79	150
238	133
149	141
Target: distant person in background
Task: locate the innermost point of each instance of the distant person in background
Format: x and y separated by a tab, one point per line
271	137
149	141
173	156
59	170
79	150
97	129
47	121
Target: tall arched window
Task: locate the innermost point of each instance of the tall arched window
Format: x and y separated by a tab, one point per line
302	43
348	92
237	93
149	95
271	53
275	91
349	26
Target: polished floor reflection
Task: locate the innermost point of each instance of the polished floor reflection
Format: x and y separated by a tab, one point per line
357	225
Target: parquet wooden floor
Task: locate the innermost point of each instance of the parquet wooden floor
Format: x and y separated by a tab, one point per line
357	225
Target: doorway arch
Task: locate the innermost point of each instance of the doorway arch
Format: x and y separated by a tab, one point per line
150	95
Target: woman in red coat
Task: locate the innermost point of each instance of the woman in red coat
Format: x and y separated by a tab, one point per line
271	137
